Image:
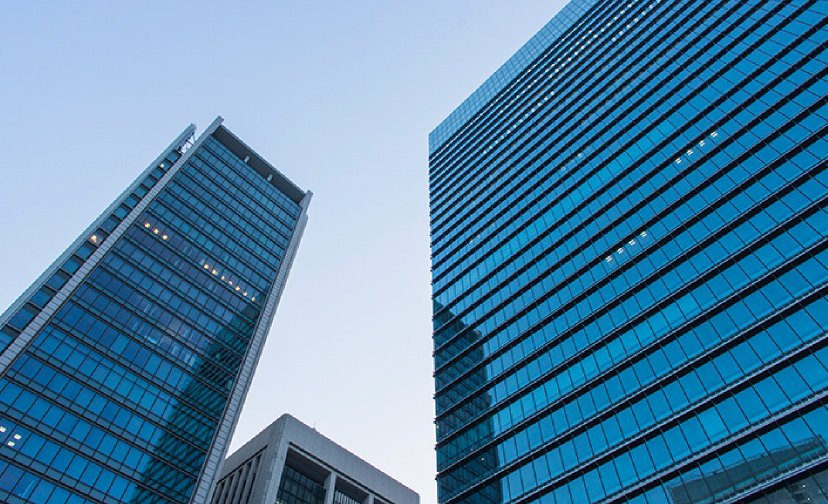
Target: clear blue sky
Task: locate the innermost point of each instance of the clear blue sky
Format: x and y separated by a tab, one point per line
340	96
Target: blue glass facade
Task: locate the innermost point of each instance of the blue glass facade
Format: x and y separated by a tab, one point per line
124	365
629	260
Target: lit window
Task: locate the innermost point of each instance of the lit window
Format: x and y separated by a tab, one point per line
206	266
94	238
620	251
10	443
164	237
2	429
609	258
155	230
147	225
643	233
17	436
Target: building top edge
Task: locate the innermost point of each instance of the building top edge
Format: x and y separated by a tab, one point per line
258	163
519	61
289	429
347	462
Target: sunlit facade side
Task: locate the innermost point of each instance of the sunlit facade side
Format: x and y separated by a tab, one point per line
124	366
629	260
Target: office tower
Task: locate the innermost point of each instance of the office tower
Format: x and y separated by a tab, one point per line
124	366
629	260
291	463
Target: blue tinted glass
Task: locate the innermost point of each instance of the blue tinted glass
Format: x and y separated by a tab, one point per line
119	394
627	239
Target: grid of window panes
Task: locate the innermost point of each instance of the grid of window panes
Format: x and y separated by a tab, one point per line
630	260
296	488
118	397
39	299
509	73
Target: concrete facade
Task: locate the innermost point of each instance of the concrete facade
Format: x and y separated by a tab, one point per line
254	473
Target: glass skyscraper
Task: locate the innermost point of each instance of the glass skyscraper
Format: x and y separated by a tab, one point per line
629	258
124	366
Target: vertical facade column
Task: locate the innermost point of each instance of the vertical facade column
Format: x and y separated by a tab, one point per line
369	499
330	488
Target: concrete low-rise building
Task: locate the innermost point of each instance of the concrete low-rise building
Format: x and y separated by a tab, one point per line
291	463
